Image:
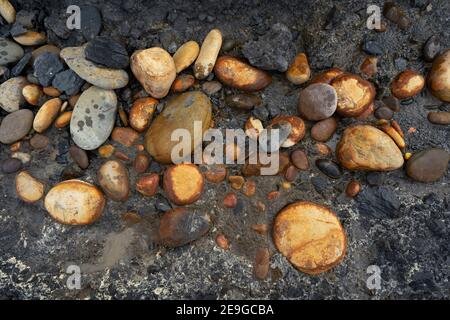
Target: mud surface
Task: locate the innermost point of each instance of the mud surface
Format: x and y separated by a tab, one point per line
402	226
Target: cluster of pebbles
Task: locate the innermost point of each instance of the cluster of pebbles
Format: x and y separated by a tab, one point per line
73	89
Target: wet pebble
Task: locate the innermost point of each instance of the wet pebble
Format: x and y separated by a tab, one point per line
125	136
353	188
317	102
428	165
186	55
431	48
300	160
207	56
211	87
243	101
28	188
439	77
407	84
46	114
11	97
147	185
329	168
113	178
20	66
79	156
141	163
46	66
11	165
183	184
107	52
32	94
15	126
392	103
372	48
68	82
39	141
230	200
323	130
384	113
439	117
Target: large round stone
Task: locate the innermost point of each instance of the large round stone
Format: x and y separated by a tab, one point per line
15	126
93	117
317	102
179	113
10	52
428	165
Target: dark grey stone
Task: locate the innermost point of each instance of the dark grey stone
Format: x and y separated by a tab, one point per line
107	52
91	22
68	82
46	66
329	168
380	202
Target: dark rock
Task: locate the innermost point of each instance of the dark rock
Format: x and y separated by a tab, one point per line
375	178
46	66
91	22
17	30
11	165
71	172
392	103
273	51
372	47
428	165
228	44
39	141
107	52
68	82
27	19
322	186
431	48
162	204
56	22
401	63
329	168
211	87
20	66
404	22
261	113
384	113
274	110
380	202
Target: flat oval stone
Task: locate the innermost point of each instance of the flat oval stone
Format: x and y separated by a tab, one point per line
179	113
11	97
10	52
75	202
329	168
428	165
181	226
439	117
323	130
431	48
317	101
11	165
439	77
104	78
93	117
113	178
28	188
15	126
243	101
363	147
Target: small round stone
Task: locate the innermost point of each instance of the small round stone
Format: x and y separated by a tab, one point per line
11	165
79	156
392	103
300	160
317	101
39	141
323	130
384	113
353	188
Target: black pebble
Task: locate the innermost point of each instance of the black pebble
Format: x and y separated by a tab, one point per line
91	22
392	103
375	178
46	66
384	113
329	168
11	165
107	52
372	47
18	68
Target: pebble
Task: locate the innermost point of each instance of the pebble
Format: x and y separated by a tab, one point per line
372	48
407	84
63	120
236	182
439	117
369	66
155	70
15	126
322	148
249	188
186	55
43	49
327	76
181	226
207	56
79	156
91	22
104	78
310	236
46	114
68	82
183	184
10	52
7	11
32	94
272	51
237	74
180	112
31	38
300	160
428	165
107	52
141	163
261	113
39	141
243	101
253	128
317	101
182	83
113	179
46	66
384	113
211	87
230	200
93	118
299	71
291	173
215	173
297	130
439	77
329	168
353	188
125	136
20	66
28	188
147	185
392	103
11	97
222	242
364	147
354	94
11	165
323	130
75	202
261	266
106	151
431	48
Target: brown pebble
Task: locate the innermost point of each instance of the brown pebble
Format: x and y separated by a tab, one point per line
236	182
353	188
124	136
148	184
130	218
183	184
222	242
32	93
51	91
141	163
215	173
28	188
397	128
230	200
323	149
439	117
73	100
299	71
182	83
63	120
39	141
249	188
323	130
261	228
121	155
261	266
261	206
114	180
106	151
366	113
407	84
369	66
291	173
123	116
273	195
79	156
300	160
141	113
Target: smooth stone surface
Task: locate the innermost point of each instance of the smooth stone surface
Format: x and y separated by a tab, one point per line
439	117
20	66
39	141
364	147
28	188
323	130
329	168
300	159
10	52
11	165
11	97
211	87
317	101
15	126
431	48
68	82
107	52
379	202
113	178
439	77
392	103
243	101
79	156
186	55
46	66
91	22
180	112
428	165
93	117
104	78
384	113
